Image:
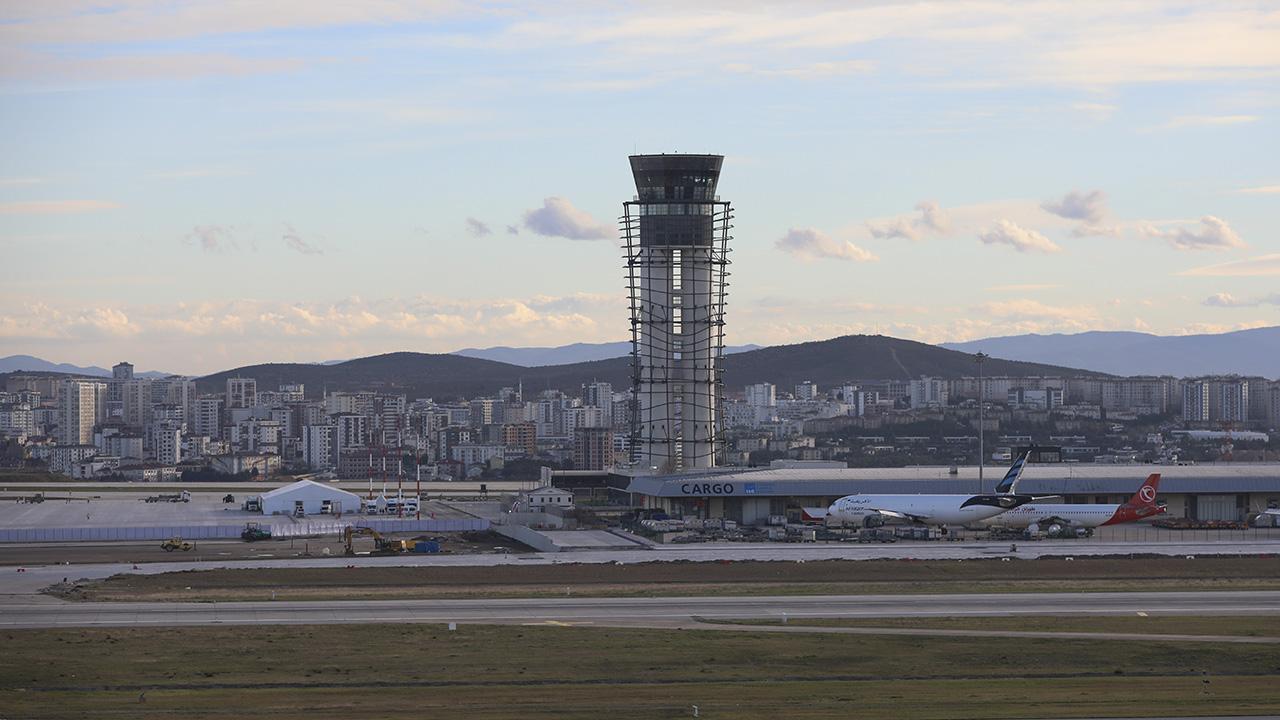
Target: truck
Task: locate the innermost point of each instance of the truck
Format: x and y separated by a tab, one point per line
184	496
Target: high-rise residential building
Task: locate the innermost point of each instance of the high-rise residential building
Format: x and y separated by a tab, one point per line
318	448
762	395
929	392
1273	403
522	435
676	239
1195	401
599	394
208	416
78	410
166	443
1233	401
806	390
351	431
592	448
122	371
241	392
482	412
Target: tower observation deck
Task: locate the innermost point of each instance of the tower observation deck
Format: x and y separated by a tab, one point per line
676	238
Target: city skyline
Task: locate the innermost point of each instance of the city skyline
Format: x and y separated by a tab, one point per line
201	186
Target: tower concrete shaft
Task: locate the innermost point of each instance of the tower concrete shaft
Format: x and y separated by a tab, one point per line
676	236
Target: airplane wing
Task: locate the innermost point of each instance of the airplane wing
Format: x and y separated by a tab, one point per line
900	515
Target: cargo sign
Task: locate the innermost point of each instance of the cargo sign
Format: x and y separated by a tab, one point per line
707	488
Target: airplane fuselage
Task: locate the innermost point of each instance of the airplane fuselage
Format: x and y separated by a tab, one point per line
926	509
1073	514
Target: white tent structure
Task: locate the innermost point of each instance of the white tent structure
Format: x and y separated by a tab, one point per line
312	498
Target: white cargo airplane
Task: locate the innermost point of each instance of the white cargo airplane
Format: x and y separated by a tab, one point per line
935	509
1034	516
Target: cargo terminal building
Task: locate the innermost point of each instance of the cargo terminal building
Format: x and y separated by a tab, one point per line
749	496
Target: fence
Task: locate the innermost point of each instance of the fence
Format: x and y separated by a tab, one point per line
214	532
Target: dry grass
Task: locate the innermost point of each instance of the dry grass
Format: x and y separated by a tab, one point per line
389	671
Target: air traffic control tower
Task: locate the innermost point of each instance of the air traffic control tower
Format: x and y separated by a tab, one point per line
676	237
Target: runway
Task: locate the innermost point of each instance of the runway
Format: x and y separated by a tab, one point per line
644	612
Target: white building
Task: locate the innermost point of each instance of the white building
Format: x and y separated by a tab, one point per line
208	416
1233	401
1195	401
78	402
545	497
17	419
317	447
166	444
311	498
929	392
241	392
600	395
762	395
807	390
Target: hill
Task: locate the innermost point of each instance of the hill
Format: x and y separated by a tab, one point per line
565	354
452	376
29	363
15	363
1244	352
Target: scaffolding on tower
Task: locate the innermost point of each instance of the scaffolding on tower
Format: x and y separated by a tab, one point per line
677	283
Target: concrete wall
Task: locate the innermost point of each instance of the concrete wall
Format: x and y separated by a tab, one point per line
212	532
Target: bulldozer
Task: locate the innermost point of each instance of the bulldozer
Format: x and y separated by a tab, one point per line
176	543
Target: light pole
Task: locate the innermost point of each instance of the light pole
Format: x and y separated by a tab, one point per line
982	421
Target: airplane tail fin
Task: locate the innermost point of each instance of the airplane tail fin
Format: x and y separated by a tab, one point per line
1009	484
1146	495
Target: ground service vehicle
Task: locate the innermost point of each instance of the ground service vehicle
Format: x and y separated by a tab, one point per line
176	543
253	532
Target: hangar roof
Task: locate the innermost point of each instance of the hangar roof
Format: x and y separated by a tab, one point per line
1064	479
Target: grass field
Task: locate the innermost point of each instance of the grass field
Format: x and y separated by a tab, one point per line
688	579
420	671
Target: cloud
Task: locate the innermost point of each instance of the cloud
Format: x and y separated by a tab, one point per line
55	207
812	244
1260	190
21	181
513	229
1184	121
1022	287
818	70
476	228
1259	266
295	242
1068	316
559	218
1226	300
1091	207
1213	234
933	220
213	238
1021	239
1098	111
896	228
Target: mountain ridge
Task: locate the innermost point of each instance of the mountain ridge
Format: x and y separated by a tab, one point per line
1254	352
447	375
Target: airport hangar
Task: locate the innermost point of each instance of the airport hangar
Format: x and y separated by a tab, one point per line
750	496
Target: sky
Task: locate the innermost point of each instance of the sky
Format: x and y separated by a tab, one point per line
194	186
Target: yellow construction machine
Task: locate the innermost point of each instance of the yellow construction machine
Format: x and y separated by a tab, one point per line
176	543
